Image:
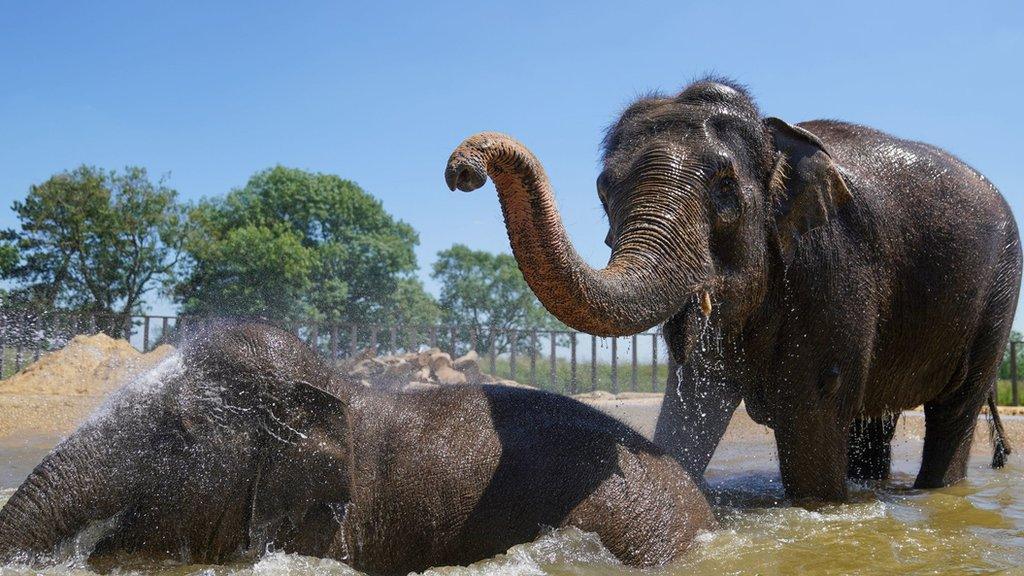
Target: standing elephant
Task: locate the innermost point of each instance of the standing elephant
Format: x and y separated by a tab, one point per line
247	441
827	274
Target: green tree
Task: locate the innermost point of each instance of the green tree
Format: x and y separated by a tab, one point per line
1004	367
296	245
482	291
92	240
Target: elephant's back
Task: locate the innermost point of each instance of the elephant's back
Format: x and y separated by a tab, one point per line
913	181
482	468
929	243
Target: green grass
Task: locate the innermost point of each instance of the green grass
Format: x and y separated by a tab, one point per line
603	379
10	357
1004	394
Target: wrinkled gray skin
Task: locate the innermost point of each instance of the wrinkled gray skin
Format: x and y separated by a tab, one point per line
253	442
846	275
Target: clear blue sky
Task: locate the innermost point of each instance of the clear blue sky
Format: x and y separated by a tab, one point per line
211	92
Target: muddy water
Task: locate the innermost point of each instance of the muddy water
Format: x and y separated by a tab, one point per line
976	527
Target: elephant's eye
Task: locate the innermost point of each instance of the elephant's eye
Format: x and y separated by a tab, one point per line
727	200
727	186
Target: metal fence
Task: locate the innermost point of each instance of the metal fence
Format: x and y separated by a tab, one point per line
560	361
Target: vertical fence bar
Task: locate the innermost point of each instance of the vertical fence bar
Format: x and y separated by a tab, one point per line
493	353
533	358
513	336
334	341
314	337
572	363
164	328
632	372
37	341
55	328
654	362
1013	374
615	365
411	337
593	363
553	380
145	334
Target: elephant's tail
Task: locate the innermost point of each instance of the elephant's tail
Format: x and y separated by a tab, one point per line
1000	446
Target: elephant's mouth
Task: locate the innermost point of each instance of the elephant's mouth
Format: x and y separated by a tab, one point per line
687	327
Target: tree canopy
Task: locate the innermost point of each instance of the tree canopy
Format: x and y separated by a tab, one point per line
92	240
293	245
482	290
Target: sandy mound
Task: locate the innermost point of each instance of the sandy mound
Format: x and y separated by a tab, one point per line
88	365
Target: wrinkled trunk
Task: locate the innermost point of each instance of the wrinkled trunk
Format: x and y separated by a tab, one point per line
68	490
652	272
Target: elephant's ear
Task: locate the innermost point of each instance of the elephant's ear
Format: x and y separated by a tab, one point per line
806	186
306	471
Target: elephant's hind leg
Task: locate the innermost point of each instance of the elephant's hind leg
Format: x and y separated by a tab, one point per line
869	454
951	419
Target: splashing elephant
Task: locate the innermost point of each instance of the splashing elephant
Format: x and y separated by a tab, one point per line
836	275
247	442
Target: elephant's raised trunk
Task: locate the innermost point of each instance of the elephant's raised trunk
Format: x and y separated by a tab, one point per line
68	490
645	281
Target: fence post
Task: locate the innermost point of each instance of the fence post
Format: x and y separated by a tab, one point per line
615	365
164	328
572	363
493	353
513	336
654	362
1013	374
632	374
553	381
410	339
533	358
37	327
334	341
593	363
145	333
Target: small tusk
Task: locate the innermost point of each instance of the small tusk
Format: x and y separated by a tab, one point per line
705	304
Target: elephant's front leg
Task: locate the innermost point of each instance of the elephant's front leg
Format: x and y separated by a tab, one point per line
694	414
812	445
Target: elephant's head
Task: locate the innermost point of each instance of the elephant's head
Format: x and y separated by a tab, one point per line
703	198
236	442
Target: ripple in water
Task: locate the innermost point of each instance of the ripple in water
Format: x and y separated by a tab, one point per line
975	527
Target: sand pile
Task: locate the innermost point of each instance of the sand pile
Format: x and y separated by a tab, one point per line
88	365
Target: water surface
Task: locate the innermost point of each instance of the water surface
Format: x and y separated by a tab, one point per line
976	527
